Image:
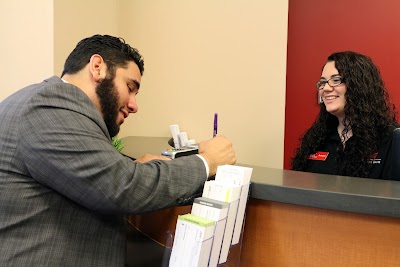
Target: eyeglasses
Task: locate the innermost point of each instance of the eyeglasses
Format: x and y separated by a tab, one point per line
332	82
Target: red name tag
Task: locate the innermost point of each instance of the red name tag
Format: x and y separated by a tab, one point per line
319	156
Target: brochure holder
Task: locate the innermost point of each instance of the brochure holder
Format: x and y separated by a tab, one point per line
169	240
233	259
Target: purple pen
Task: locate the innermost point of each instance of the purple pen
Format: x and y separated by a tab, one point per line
215	124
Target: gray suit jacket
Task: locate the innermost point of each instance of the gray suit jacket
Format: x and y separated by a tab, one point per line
64	189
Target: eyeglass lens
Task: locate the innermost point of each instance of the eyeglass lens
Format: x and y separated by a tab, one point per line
334	81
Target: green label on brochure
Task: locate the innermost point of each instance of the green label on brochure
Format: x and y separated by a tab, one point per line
200	221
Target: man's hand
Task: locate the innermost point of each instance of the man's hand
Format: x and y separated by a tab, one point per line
148	157
217	151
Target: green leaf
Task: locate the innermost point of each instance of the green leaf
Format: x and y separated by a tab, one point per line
118	143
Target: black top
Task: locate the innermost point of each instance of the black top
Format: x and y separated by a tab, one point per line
324	159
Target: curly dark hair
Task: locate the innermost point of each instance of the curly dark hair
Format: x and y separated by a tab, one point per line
369	115
114	50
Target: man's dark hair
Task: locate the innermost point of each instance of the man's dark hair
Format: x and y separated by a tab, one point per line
114	51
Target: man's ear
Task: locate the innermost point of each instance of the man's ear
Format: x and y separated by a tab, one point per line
97	67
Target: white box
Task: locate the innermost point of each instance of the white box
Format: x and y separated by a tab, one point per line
221	191
244	193
192	242
183	139
236	175
240	176
174	128
228	193
214	210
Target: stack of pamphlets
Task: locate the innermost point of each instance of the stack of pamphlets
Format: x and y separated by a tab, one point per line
215	221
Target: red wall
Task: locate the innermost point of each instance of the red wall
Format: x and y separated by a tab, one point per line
318	28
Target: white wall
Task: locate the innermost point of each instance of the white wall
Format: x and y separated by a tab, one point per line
212	56
75	20
200	57
26	46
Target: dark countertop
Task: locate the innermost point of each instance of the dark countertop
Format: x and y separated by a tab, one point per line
359	195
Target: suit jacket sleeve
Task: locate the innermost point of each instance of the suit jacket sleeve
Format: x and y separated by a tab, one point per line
65	146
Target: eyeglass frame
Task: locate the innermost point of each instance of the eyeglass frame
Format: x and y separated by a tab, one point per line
327	82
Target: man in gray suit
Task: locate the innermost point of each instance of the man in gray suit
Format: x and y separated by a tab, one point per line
64	189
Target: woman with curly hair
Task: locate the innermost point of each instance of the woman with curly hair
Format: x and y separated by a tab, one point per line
352	134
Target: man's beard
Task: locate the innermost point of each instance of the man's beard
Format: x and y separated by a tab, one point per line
108	98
